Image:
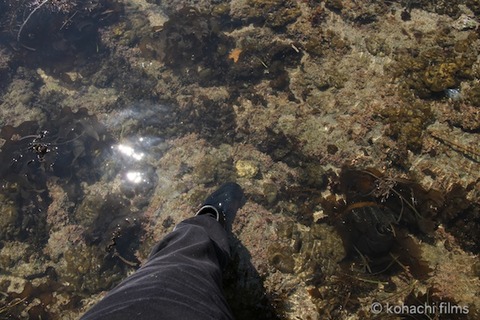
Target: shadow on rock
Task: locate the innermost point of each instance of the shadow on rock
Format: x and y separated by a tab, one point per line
244	288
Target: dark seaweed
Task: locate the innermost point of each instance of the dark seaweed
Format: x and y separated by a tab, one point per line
59	33
195	45
116	230
379	211
370	228
191	43
69	147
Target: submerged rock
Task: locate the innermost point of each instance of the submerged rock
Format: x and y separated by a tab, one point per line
246	169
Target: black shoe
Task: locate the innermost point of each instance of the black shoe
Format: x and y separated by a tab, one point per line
224	203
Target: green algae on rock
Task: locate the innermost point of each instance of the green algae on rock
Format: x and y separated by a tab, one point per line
437	67
280	257
87	270
8	215
473	94
327	41
407	123
274	13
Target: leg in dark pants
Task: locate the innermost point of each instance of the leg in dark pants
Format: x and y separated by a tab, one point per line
181	280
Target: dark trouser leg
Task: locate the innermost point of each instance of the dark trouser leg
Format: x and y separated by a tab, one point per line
181	280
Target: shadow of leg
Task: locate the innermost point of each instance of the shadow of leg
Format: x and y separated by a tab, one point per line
244	289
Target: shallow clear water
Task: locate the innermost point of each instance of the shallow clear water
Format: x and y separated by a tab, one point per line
352	127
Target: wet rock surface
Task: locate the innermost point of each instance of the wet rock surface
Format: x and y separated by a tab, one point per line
352	127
